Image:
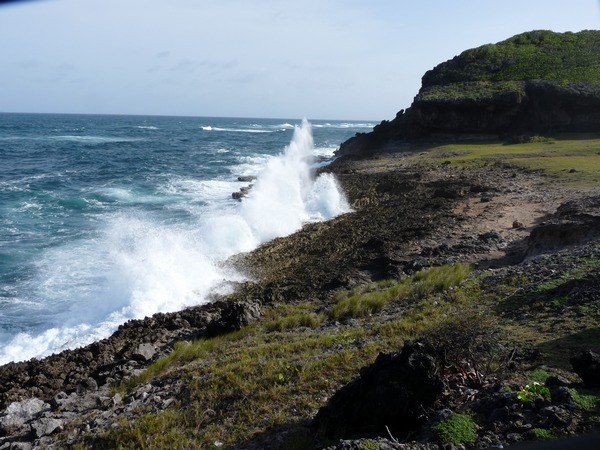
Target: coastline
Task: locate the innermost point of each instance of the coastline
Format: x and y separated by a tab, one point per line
407	215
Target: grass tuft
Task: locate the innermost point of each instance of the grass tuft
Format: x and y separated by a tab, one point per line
374	297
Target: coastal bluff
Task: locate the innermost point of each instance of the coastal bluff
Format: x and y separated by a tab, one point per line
539	82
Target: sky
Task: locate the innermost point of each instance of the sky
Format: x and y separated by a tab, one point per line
319	59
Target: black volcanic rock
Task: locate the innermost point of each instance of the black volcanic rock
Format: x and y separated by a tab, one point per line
394	391
587	366
538	82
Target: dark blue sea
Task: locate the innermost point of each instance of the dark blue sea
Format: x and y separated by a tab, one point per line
109	218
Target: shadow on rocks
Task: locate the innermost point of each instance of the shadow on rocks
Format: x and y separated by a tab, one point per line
394	392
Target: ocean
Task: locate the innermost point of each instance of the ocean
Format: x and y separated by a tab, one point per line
104	219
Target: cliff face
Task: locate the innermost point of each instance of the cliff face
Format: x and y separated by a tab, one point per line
536	82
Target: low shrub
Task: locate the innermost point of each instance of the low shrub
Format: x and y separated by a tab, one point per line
457	429
470	342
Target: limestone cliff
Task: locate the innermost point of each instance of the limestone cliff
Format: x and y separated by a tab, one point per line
538	82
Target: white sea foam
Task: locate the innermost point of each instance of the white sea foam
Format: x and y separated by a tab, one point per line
136	264
345	125
237	130
92	140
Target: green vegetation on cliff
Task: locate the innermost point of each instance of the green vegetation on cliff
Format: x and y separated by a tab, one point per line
570	59
536	55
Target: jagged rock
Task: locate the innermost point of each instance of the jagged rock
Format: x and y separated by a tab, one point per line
587	366
235	316
46	426
18	413
394	391
87	385
144	352
246	178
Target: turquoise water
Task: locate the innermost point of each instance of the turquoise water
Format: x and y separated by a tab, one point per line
108	218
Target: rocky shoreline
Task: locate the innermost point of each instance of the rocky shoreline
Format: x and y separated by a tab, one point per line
405	218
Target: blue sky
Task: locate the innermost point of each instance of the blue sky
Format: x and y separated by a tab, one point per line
320	59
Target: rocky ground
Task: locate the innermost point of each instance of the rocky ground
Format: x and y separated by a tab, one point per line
503	220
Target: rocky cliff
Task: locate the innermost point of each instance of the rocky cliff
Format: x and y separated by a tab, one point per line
538	82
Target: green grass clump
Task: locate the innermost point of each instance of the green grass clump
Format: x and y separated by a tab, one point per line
457	429
538	375
297	320
244	383
369	444
360	305
541	434
374	297
588	400
438	279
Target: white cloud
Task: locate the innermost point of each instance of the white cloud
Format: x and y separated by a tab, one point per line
315	58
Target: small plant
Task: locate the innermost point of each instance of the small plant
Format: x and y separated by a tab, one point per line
541	434
530	392
287	373
541	140
456	429
369	444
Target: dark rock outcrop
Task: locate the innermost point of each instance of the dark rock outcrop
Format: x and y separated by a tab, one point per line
393	392
534	83
587	366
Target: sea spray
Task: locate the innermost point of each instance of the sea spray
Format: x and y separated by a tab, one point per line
285	195
150	234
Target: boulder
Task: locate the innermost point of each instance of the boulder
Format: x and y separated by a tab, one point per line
393	392
234	316
587	366
18	413
46	426
144	352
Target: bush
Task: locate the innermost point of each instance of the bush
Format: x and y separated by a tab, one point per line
456	429
470	342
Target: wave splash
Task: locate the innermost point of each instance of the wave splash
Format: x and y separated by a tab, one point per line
285	195
139	264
